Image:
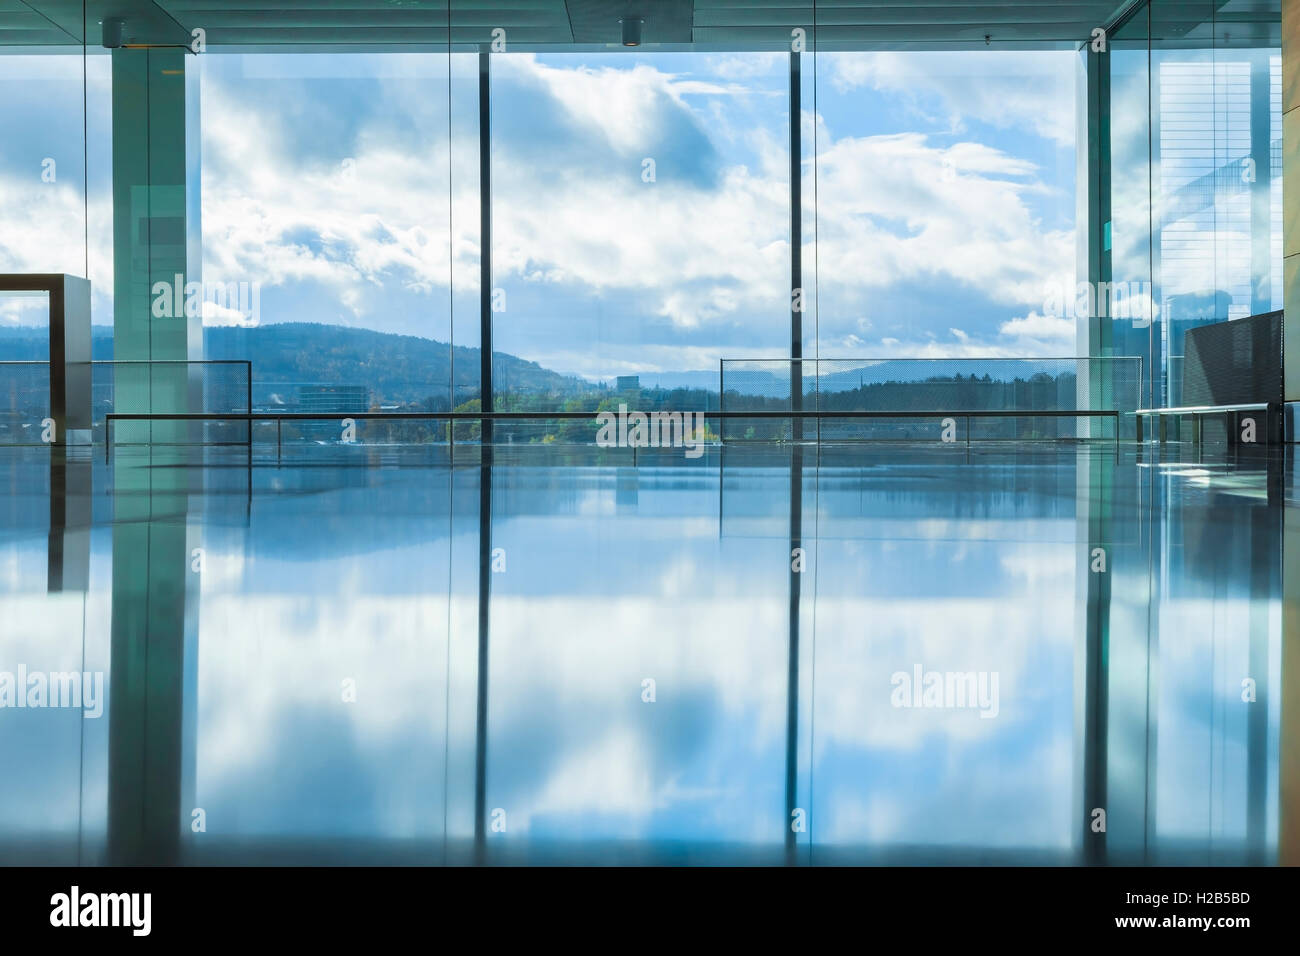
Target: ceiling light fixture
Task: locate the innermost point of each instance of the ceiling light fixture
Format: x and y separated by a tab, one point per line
631	30
112	30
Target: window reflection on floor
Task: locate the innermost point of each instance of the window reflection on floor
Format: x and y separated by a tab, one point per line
942	658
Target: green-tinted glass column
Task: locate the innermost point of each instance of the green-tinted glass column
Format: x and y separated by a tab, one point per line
156	246
156	255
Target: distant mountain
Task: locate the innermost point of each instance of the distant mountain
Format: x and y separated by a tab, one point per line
670	380
747	379
406	370
398	369
27	344
920	370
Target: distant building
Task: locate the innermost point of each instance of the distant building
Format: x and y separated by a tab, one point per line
627	383
333	398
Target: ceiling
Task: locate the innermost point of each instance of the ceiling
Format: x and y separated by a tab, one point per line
705	24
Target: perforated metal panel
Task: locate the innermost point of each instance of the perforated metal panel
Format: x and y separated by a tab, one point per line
1230	363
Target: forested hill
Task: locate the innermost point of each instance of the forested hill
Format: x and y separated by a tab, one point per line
397	368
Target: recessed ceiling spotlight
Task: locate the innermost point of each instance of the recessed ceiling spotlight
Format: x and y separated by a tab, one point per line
631	30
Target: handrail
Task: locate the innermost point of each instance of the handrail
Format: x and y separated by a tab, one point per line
248	365
544	416
1198	411
1206	409
247	362
278	417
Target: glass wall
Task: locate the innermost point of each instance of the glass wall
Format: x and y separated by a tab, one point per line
1125	251
951	201
55	212
944	198
641	207
339	199
1192	144
55	170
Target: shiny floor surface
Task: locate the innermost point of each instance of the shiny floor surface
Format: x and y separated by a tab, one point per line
864	654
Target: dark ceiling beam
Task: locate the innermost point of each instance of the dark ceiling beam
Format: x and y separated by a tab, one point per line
715	24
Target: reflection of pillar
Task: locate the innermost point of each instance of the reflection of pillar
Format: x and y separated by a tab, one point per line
1092	670
151	575
792	673
481	697
1265	583
70	517
1288	810
627	485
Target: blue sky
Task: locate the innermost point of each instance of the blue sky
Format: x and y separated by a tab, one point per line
346	185
45	221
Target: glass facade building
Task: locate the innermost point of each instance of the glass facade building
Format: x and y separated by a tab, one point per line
355	530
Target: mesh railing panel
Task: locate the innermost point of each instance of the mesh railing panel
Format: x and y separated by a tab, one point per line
938	385
128	386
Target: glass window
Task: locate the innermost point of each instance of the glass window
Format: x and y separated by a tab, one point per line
336	215
640	208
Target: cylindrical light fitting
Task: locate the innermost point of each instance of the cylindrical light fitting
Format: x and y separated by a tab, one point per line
113	27
631	30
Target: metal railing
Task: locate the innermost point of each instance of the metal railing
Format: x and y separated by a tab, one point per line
1197	414
958	385
28	401
280	417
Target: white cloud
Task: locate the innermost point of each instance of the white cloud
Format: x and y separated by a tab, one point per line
1041	334
215	314
1029	336
702	255
747	66
1029	90
660	271
44	230
887	212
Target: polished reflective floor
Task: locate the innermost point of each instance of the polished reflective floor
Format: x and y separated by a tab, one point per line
873	653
